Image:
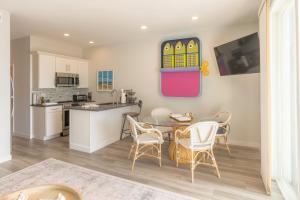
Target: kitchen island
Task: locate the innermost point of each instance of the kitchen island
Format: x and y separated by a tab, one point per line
92	128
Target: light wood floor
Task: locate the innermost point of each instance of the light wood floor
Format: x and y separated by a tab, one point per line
240	177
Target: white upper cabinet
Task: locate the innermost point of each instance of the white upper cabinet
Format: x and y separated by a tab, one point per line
45	65
43	71
83	72
64	65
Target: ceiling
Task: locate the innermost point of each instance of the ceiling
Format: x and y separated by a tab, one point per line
112	21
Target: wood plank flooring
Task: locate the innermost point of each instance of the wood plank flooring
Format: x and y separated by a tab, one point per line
240	176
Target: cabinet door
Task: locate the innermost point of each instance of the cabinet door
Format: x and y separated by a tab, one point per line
61	65
53	121
72	66
83	72
64	65
46	68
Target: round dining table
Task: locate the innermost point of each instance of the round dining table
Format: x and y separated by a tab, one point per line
162	122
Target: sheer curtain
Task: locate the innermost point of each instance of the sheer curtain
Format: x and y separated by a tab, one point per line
284	96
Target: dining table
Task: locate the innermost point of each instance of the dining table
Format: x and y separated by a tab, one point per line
163	122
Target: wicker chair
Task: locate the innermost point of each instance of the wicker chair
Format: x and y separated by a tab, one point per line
131	114
163	112
224	119
147	141
200	143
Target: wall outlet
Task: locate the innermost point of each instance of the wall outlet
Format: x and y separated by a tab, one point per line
1	18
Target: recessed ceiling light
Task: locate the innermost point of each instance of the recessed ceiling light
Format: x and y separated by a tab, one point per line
66	34
91	42
143	27
195	18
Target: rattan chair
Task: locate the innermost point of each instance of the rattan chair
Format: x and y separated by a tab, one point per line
224	119
131	114
163	112
147	141
200	143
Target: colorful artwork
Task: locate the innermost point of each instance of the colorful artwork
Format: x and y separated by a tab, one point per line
168	56
192	54
180	54
180	67
105	80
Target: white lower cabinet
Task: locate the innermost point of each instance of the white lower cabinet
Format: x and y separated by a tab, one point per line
47	122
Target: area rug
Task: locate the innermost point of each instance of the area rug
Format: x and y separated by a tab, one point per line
92	185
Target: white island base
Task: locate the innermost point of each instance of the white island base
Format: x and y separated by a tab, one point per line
93	130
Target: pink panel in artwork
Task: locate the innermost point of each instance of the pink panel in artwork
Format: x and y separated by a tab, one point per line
180	84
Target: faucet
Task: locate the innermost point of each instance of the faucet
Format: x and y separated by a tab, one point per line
114	94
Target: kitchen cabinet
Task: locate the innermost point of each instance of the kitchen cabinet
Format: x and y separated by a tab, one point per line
47	122
43	71
65	65
46	65
83	72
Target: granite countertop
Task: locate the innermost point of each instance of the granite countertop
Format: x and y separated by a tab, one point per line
102	107
42	105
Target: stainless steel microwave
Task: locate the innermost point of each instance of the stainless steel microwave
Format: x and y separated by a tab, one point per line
67	80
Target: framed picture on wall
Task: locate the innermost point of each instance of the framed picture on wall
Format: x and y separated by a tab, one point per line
105	80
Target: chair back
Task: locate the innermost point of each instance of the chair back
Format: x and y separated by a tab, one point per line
140	105
133	126
224	119
160	112
136	128
203	133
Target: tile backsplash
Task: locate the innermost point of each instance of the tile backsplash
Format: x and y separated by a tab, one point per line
60	94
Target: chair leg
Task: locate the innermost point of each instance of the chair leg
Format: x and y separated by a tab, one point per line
192	166
177	154
169	135
122	130
215	163
227	146
135	156
132	147
159	154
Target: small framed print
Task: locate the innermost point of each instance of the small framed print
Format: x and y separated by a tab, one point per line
105	80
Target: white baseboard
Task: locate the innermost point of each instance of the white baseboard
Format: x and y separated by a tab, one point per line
244	143
78	147
5	158
286	190
22	135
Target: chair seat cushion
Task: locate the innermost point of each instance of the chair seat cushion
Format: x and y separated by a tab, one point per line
221	131
131	114
147	138
186	142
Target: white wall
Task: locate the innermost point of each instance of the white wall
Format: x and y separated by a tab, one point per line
5	142
39	43
20	58
137	66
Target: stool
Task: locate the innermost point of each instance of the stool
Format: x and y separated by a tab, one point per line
133	115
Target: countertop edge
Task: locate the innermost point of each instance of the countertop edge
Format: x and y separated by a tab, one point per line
99	109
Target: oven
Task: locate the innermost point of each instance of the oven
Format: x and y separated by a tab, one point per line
66	118
66	80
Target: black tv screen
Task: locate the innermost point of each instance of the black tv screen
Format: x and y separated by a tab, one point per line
239	57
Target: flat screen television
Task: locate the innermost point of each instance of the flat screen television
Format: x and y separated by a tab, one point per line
239	56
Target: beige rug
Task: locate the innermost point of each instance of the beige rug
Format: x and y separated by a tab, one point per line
91	184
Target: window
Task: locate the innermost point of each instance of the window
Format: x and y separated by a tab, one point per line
284	96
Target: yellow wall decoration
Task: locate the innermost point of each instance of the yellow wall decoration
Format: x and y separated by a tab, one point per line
180	55
204	68
192	54
168	56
